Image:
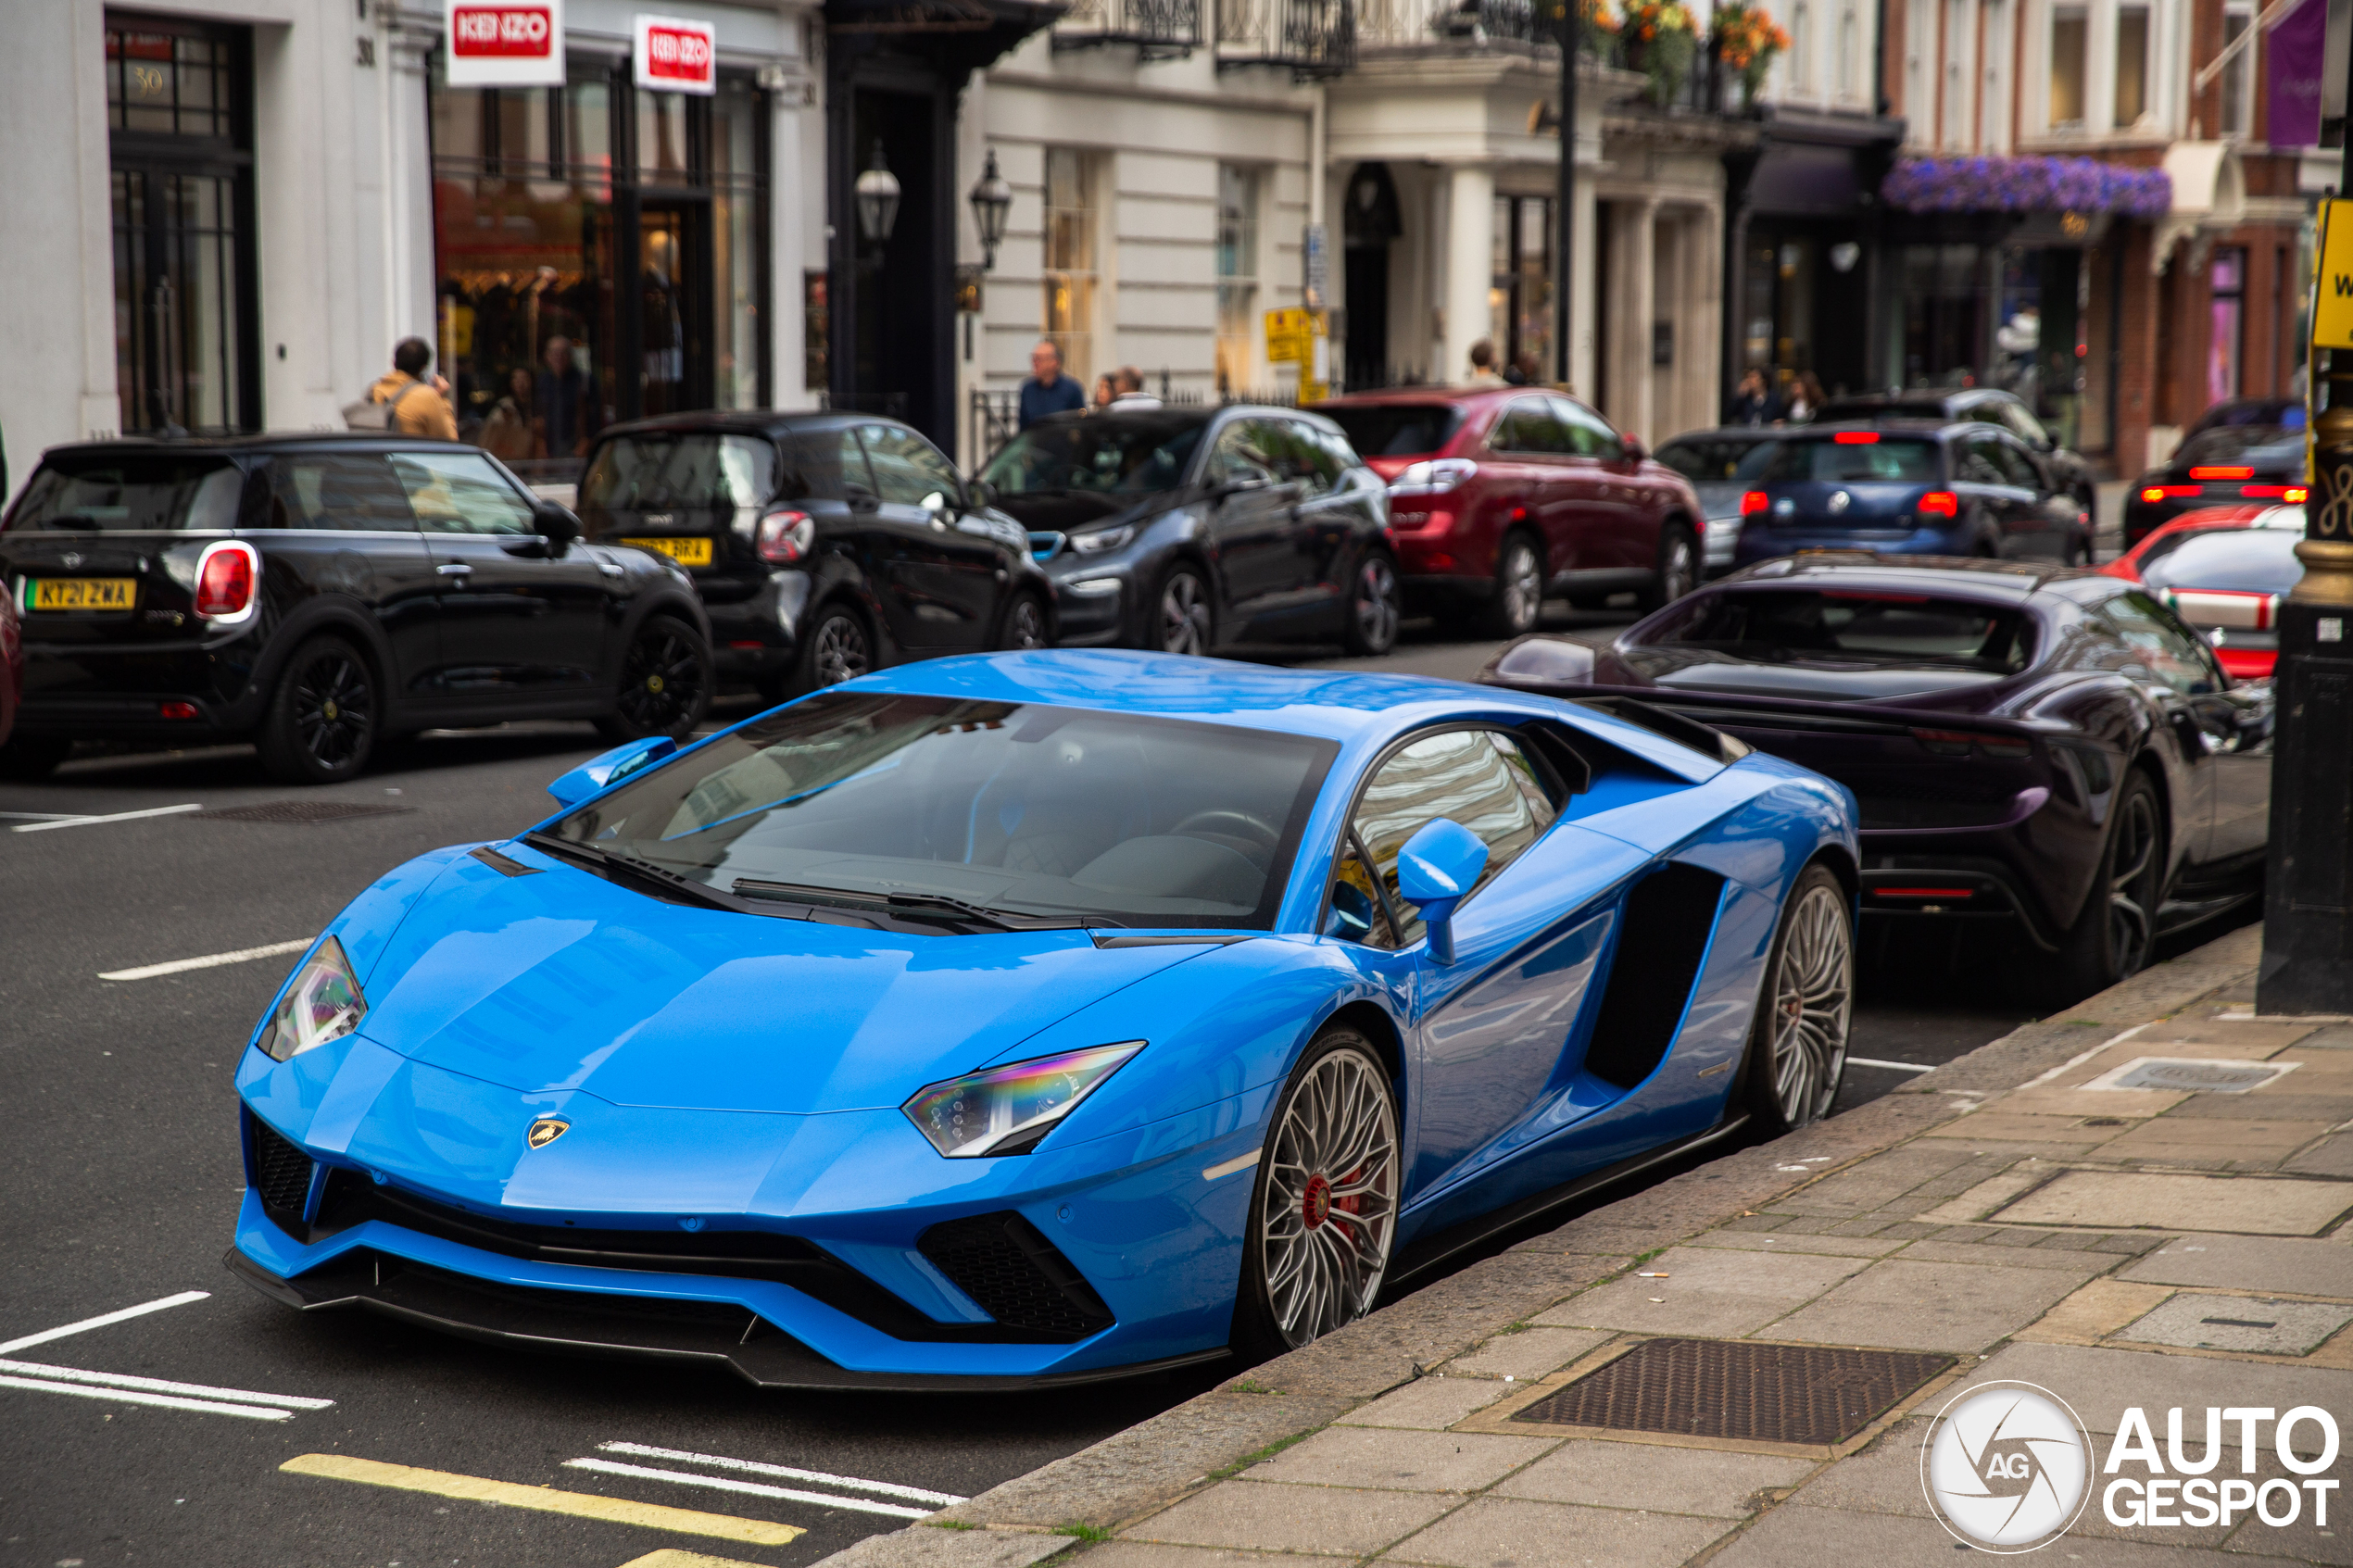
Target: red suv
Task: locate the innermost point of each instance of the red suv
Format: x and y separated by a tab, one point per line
1500	497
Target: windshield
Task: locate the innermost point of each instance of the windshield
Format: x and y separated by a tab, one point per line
2247	559
132	494
641	472
2249	445
1019	809
1395	430
2283	412
1858	627
1121	455
1844	462
1711	459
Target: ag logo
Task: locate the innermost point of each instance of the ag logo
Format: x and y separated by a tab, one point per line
2006	1466
546	1130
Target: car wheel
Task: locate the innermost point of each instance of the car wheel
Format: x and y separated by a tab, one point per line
1678	567
1323	1212
1797	1044
33	757
835	648
1023	625
1182	620
321	722
1519	588
665	683
2110	940
1374	607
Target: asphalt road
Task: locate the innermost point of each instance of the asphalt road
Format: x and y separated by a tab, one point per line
122	1178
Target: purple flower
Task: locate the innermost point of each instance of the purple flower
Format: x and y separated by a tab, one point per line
2026	184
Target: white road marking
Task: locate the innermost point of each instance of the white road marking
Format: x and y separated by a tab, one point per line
753	1489
210	960
1241	1163
157	1385
43	816
1890	1066
110	817
718	1461
88	1324
210	1407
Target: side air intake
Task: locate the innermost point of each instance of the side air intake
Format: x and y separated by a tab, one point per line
281	1175
1670	917
1015	1275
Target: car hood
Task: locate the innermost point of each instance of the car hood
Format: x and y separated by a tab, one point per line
1680	669
561	981
1060	512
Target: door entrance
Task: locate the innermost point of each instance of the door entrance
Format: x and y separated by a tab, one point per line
675	333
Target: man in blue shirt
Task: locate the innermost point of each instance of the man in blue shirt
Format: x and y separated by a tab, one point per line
1047	391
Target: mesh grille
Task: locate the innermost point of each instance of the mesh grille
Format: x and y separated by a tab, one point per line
281	1171
297	812
1016	1275
1740	1390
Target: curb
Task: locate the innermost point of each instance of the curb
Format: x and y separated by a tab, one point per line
1159	1460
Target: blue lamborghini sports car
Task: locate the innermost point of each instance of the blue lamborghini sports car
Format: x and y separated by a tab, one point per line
1022	1019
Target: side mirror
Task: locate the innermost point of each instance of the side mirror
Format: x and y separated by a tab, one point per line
556	523
1635	451
600	773
1437	870
1542	661
980	494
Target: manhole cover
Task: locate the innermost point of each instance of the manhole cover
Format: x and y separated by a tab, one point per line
2239	1322
1741	1390
2193	1075
297	812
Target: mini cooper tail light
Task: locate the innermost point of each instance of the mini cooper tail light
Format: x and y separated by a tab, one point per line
1941	503
228	579
787	537
1754	501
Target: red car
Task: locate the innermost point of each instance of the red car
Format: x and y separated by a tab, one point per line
1499	497
2225	571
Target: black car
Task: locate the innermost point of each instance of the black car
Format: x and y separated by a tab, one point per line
824	545
1178	529
1984	404
316	594
2247	449
2048	749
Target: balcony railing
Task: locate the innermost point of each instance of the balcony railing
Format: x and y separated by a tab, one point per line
1703	85
1311	38
1161	29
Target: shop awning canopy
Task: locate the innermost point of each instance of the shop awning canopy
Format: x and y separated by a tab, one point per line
2026	184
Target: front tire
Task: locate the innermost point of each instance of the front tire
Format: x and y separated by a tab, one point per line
835	646
1375	606
1797	1044
323	720
2110	940
1023	626
1180	618
1322	1212
1519	602
665	683
1678	567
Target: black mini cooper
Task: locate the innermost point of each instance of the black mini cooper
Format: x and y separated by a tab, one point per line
316	594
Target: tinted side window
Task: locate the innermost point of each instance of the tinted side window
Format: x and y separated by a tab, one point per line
1243	454
460	492
907	467
1589	436
338	490
2024	425
2174	656
1309	457
2016	467
1974	464
1479	778
1529	425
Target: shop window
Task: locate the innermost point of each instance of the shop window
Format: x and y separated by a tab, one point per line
1070	270
2070	35
1237	276
2226	341
1521	293
2132	64
2238	99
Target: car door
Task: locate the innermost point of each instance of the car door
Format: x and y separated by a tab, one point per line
1325	518
347	517
942	582
1609	527
1985	492
1538	479
521	618
2046	512
1250	522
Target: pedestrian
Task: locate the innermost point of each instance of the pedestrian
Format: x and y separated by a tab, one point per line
566	402
1047	391
1754	403
1805	399
511	433
1127	390
1482	364
418	406
1105	392
1528	366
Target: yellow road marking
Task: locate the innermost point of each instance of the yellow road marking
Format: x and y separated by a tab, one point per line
511	1494
671	1557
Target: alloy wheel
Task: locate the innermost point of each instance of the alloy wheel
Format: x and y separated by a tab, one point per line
1026	625
1184	615
2129	927
1813	992
1376	608
1680	573
1330	1213
661	680
1523	587
334	710
840	652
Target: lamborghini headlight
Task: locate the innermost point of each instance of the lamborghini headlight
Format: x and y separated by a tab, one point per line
324	1003
1007	1109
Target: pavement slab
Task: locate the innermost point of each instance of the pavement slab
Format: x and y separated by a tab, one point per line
2300	1268
1654	1477
1911	1306
1528	1354
2245	1205
1512	1533
1432	1403
2101	1384
1397	1460
1269	1516
2196	1320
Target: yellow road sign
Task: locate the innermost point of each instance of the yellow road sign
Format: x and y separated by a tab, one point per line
2332	309
1290	336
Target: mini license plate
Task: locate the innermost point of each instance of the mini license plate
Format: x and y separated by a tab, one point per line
80	593
686	552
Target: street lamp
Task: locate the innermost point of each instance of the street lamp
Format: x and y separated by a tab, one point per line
878	199
992	200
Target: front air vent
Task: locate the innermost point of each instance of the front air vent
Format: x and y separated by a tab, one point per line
1014	1274
281	1175
1670	915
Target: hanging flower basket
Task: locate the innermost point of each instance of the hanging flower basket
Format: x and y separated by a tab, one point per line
1747	39
2027	185
1657	38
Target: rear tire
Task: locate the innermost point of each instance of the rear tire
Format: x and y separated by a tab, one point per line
835	646
1181	617
323	720
1797	1043
665	683
1678	567
33	757
2111	939
1375	606
1519	602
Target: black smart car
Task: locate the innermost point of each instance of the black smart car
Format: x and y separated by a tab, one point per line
2247	449
316	594
1176	528
824	545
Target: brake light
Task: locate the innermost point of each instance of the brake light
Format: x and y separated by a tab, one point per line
176	710
1856	438
227	576
2295	494
1754	501
2153	493
1956	743
2232	472
1434	476
1942	502
787	537
2264	492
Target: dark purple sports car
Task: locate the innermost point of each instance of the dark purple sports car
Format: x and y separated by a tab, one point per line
2048	747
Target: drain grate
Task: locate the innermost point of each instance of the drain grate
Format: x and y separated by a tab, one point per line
298	811
1738	1390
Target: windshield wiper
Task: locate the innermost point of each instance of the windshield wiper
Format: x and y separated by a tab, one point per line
614	866
929	906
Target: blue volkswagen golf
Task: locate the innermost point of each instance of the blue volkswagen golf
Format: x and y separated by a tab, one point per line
1023	1019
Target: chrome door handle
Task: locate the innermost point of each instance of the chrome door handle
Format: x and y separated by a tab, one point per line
455	569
